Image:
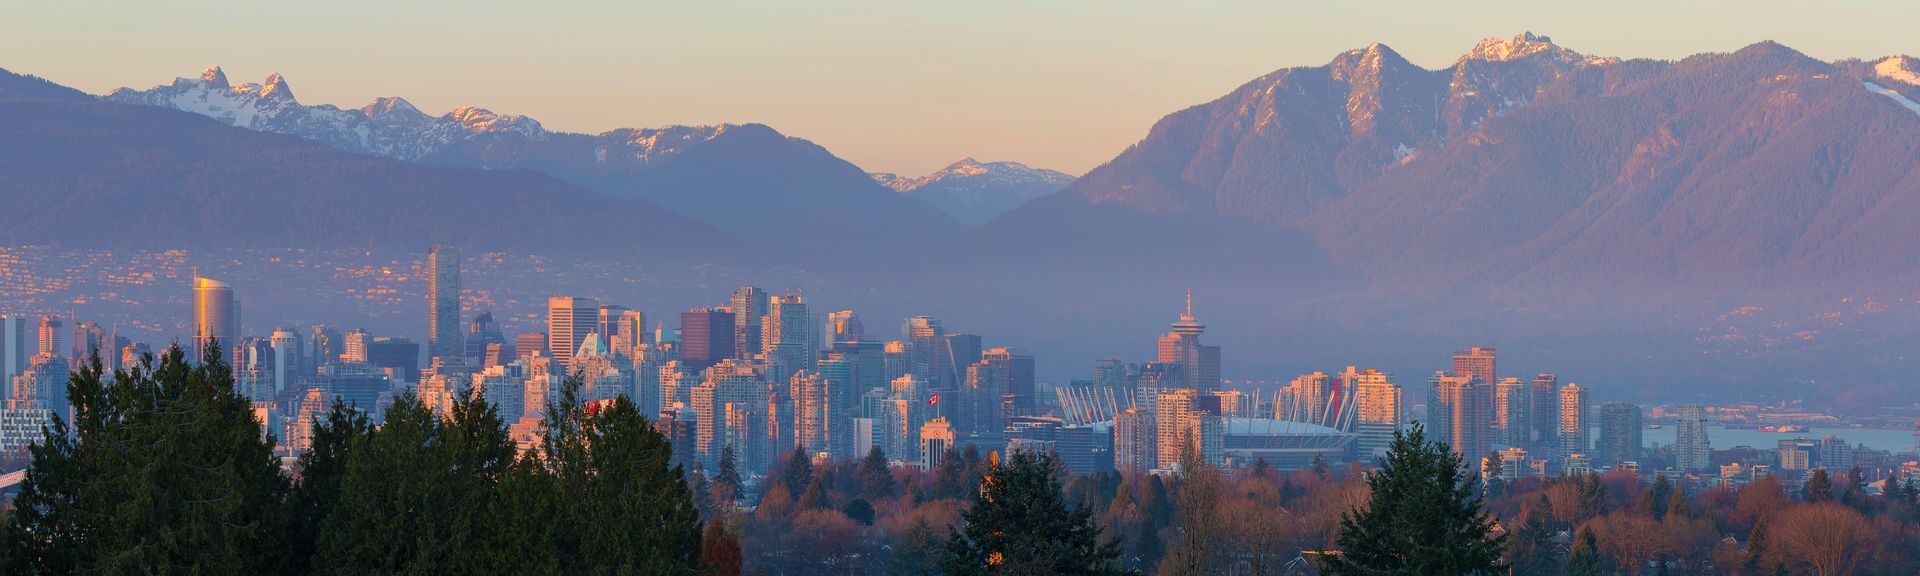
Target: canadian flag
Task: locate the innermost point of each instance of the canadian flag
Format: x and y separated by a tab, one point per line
934	400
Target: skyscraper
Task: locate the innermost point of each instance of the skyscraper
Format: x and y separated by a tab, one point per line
1377	411
789	335
286	358
527	344
844	327
1134	441
483	332
630	331
1545	440
706	337
444	339
926	348
750	306
16	348
1513	411
1619	440
1476	362
216	316
729	389
607	324
962	350
1573	419
1187	425
1018	390
1460	413
569	319
1307	398
1691	450
53	336
1199	363
810	413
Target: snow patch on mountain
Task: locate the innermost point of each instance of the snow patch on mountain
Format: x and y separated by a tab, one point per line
392	127
1527	44
1897	97
1898	69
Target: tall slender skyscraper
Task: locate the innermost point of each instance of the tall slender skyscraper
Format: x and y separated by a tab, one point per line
216	316
790	337
1200	363
444	338
1573	419
1513	411
569	319
926	348
1546	415
1691	450
16	351
53	336
750	305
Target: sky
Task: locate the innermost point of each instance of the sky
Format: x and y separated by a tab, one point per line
903	87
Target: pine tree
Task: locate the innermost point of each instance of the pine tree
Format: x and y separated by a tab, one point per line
619	504
876	477
163	468
323	468
1532	549
799	471
1593	497
859	510
1423	517
1819	486
1584	558
815	498
1759	549
729	475
1653	503
1019	524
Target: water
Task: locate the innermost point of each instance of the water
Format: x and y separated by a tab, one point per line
1895	441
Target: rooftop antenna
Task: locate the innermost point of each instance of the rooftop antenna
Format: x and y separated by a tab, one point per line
1189	301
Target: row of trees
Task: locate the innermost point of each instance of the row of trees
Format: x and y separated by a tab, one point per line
164	469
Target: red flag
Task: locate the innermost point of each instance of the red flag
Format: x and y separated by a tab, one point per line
934	400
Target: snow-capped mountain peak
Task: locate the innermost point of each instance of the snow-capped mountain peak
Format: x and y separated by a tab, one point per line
482	121
974	191
1527	44
393	107
215	77
276	87
1902	69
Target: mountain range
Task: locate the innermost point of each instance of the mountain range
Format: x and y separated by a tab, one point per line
977	192
757	185
88	173
1526	168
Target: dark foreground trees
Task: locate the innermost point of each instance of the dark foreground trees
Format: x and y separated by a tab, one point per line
1424	517
1020	524
165	470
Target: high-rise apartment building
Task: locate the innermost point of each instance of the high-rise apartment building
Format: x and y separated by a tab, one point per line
1017	393
607	325
1199	363
844	327
216	316
1307	399
444	340
1134	441
729	388
569	319
484	332
1513	412
1187	425
750	305
1377	411
1574	435
286	358
1619	440
790	337
810	412
629	331
1460	413
1476	362
53	337
1691	450
1545	440
706	337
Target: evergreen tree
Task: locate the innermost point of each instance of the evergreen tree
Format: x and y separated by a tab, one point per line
1677	505
703	492
916	550
163	468
815	498
323	468
1584	558
618	505
1423	517
859	510
1532	549
729	475
876	477
799	471
1759	549
1819	486
1019	524
1593	497
950	477
1653	503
